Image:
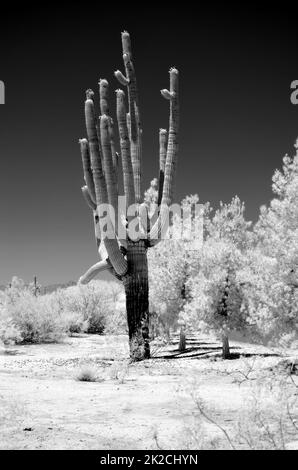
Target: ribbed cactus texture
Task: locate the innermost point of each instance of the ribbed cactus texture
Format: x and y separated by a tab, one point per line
88	177
163	143
172	150
168	166
126	257
109	171
128	179
134	124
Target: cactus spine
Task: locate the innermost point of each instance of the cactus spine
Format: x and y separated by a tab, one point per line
125	257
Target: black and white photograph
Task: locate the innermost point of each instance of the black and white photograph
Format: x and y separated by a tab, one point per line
148	230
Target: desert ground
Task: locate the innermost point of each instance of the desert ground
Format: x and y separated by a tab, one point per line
190	400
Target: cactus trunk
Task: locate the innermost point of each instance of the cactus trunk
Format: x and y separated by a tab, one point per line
137	300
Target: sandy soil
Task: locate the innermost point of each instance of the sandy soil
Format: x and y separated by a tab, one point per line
148	405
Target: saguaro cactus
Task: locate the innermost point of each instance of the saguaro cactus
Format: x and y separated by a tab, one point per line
122	253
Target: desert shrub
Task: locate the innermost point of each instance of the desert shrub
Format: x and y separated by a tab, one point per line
119	371
95	308
96	304
84	304
87	374
37	319
74	322
25	317
267	419
115	322
9	333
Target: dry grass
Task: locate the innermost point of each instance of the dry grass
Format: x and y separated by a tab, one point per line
119	371
266	420
87	373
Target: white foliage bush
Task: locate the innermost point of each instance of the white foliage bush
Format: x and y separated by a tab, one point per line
258	268
9	332
38	319
216	295
218	274
25	317
169	269
275	271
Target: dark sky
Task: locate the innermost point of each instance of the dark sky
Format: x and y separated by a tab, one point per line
237	121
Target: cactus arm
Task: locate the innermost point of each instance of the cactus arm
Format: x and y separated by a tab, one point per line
104	96
128	181
94	271
114	153
98	134
100	246
160	226
136	157
126	43
87	170
163	142
93	207
116	163
117	260
134	113
166	94
135	134
88	198
172	151
128	123
132	83
108	146
121	79
108	162
95	150
144	220
104	109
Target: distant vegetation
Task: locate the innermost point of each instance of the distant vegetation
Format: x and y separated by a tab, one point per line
28	317
47	289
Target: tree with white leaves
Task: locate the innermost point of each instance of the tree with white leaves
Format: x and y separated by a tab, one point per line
215	285
170	265
273	295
